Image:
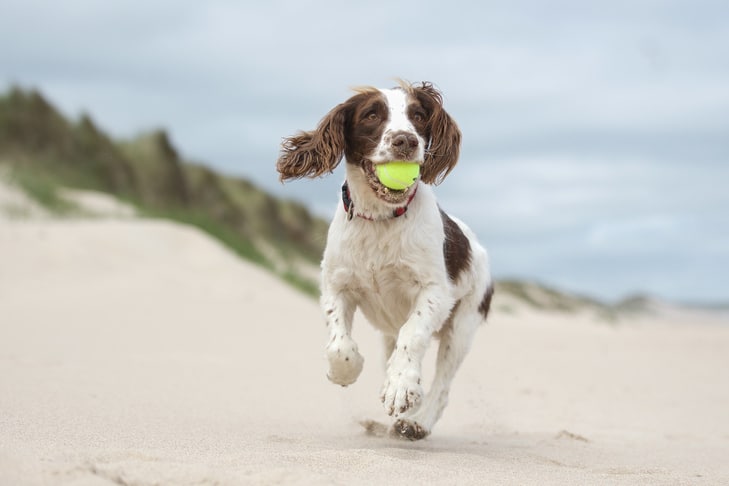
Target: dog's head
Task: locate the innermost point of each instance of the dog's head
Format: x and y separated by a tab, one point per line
376	126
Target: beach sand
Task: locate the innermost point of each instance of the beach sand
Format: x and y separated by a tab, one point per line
138	352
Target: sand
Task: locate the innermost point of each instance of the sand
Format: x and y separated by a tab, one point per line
140	352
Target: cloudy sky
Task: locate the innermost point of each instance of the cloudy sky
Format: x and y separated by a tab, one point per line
596	134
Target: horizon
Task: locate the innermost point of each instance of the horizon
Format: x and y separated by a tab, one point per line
593	155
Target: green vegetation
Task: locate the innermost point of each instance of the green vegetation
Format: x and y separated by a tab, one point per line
543	297
45	152
43	190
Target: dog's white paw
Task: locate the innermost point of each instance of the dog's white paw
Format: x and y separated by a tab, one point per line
345	362
401	392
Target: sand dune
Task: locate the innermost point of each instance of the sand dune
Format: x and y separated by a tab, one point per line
141	352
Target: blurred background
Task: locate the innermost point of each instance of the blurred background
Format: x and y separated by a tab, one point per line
595	151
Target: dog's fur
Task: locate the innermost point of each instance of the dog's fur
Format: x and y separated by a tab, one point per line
414	275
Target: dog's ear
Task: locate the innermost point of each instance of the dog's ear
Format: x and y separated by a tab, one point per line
445	137
317	152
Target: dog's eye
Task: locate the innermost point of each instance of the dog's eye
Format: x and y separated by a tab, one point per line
371	115
419	117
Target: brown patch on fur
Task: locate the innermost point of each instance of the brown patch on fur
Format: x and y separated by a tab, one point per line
442	132
485	305
364	127
456	248
318	152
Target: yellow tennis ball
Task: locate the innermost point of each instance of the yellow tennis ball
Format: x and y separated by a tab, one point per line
398	174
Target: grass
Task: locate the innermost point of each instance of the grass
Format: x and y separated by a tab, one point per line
43	190
542	297
233	241
223	234
303	284
46	153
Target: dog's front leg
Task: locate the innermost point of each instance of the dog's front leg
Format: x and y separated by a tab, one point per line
345	362
402	390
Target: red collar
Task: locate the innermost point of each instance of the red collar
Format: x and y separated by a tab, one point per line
349	205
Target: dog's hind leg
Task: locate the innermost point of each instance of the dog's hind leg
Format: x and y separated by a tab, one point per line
455	341
388	346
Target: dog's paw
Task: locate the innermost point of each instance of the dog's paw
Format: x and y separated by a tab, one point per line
345	362
408	429
401	392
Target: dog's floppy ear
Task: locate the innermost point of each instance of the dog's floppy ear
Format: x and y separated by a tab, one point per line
445	137
317	152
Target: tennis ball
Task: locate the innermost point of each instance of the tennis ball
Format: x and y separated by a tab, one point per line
398	174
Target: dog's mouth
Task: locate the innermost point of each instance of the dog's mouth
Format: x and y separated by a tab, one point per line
392	196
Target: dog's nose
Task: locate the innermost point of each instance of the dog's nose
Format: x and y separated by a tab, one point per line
404	141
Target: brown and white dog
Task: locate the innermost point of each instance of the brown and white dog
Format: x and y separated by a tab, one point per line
414	271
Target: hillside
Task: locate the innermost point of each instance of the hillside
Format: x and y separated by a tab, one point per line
44	151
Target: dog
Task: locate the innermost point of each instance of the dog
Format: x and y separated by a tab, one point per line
414	271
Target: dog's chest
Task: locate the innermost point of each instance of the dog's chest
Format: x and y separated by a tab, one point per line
383	278
386	295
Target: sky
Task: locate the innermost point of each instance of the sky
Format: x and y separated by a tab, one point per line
595	153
